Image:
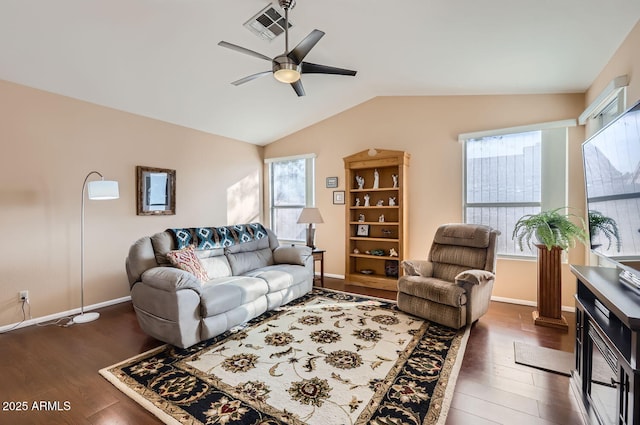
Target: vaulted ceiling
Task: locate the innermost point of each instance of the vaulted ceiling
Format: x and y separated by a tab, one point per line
161	59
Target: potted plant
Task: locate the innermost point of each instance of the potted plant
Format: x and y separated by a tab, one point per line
550	228
553	228
599	223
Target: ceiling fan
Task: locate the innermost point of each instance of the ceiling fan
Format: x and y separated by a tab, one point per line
288	66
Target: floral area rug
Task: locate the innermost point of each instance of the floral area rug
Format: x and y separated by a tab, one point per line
327	358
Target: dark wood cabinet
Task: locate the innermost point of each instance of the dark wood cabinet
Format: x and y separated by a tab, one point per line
607	347
549	311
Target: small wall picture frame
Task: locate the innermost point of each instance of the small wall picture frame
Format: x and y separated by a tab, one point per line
156	193
362	230
338	197
332	182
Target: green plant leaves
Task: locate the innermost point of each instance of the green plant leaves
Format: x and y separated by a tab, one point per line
550	228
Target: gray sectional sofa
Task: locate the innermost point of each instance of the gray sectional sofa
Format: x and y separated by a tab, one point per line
247	276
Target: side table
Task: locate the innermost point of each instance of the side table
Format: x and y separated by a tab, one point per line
318	255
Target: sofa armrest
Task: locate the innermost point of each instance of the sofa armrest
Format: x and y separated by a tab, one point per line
170	279
295	254
474	277
417	268
478	285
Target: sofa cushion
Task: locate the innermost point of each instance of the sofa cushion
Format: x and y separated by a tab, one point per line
187	260
226	293
292	255
475	236
433	289
447	271
216	266
472	258
281	276
253	245
162	242
243	262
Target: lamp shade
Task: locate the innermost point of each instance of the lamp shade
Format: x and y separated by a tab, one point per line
310	215
103	190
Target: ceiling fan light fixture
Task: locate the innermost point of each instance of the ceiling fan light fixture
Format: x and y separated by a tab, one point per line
287	75
286	71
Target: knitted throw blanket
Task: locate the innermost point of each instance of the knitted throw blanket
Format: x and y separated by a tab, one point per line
218	237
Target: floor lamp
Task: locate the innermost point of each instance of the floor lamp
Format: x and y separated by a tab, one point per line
99	190
311	216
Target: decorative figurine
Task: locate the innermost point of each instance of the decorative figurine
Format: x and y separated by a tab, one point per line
381	218
393	252
361	218
380	203
356	251
366	200
395	180
360	182
357	202
392	201
376	179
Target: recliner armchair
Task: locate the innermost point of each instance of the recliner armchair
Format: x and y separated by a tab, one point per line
453	287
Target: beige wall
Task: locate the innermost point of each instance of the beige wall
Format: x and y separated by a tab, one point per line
626	60
428	128
49	144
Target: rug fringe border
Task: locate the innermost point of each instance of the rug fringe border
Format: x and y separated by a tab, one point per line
453	378
138	398
386	300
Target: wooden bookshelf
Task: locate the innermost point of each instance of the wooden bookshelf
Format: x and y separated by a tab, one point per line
380	235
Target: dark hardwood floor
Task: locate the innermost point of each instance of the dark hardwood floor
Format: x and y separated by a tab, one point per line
54	364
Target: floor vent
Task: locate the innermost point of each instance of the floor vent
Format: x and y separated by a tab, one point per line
268	23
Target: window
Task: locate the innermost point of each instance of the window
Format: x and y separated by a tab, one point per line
606	106
513	172
290	190
609	112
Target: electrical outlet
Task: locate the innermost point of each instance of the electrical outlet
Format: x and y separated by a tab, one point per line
24	295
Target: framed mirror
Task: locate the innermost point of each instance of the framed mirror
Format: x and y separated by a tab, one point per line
156	191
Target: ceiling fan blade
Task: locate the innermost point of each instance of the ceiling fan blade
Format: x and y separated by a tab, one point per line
243	50
297	86
313	68
251	78
303	48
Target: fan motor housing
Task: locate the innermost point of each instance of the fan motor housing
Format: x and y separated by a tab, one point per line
284	62
285	69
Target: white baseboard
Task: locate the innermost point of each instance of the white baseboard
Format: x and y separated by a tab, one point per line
527	302
75	311
62	314
335	276
493	297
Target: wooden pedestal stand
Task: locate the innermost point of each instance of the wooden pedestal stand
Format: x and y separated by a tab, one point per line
549	312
